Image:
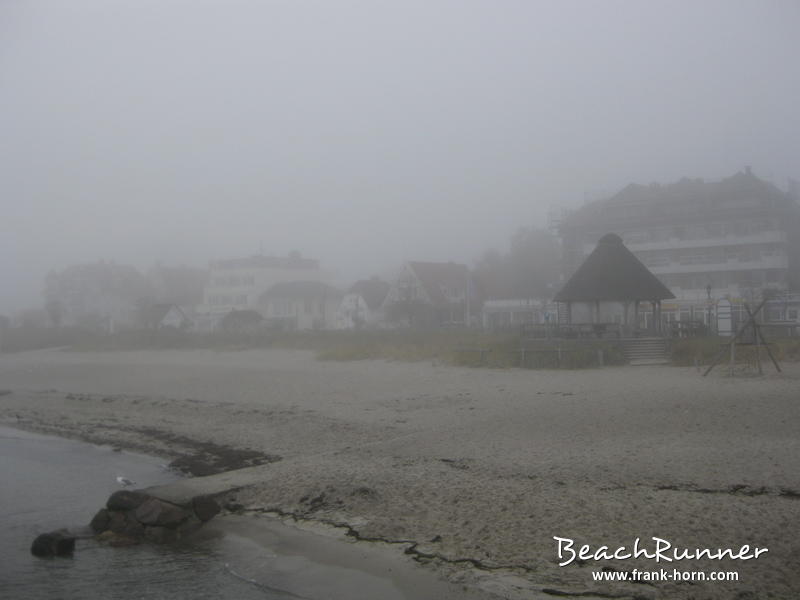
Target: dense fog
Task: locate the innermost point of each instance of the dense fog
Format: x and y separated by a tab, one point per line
363	134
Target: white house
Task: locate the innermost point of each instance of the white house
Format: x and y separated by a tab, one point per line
300	305
428	294
161	316
361	306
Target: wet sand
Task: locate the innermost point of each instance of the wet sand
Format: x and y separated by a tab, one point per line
474	469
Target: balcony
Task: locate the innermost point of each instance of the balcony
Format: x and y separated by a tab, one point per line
764	237
765	262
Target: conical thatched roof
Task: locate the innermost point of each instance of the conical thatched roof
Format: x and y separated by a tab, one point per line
612	272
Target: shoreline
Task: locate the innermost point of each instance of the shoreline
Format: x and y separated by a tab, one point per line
328	552
476	471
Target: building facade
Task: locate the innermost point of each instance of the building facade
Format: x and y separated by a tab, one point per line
512	313
238	283
361	306
427	294
706	241
300	306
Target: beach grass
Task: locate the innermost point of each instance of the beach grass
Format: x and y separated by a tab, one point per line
703	350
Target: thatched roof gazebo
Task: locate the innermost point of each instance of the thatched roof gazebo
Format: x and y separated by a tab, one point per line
608	282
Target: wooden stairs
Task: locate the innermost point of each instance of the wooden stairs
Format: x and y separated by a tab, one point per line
646	351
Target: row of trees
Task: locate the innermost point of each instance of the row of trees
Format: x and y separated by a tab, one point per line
89	291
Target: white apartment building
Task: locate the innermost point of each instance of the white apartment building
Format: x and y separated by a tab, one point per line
705	241
238	283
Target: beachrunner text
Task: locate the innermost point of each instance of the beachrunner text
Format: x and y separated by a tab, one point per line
661	550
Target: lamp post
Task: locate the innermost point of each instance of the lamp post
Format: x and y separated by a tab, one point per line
708	308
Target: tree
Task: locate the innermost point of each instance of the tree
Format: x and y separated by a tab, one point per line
177	285
99	292
530	269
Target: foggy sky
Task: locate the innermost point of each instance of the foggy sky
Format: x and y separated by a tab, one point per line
365	133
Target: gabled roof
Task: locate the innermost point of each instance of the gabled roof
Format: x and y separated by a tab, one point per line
373	291
300	289
155	313
436	277
612	272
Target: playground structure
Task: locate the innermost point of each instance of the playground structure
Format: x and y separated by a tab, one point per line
756	339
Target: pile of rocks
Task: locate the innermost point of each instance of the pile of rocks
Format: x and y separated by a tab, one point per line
132	516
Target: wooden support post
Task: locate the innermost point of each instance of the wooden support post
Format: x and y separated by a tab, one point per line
733	357
760	336
758	347
659	326
654	323
736	337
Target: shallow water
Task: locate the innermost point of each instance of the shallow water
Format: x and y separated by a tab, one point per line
49	483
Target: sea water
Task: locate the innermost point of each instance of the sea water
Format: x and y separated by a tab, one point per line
48	483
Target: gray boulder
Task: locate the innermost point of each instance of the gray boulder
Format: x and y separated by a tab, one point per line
55	543
159	535
159	513
117	521
126	500
205	508
101	520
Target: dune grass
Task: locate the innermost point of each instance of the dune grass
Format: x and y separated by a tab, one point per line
447	347
703	350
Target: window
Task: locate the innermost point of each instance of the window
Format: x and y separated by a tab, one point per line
774	314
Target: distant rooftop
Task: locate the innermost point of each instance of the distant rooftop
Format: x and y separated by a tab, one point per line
436	276
259	261
743	189
373	291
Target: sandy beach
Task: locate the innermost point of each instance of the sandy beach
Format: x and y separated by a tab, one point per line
475	470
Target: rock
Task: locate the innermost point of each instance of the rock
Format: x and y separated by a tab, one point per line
234	507
117	540
160	513
189	526
159	535
126	500
117	521
100	521
55	543
205	507
132	527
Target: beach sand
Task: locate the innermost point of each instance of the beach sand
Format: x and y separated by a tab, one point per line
474	469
